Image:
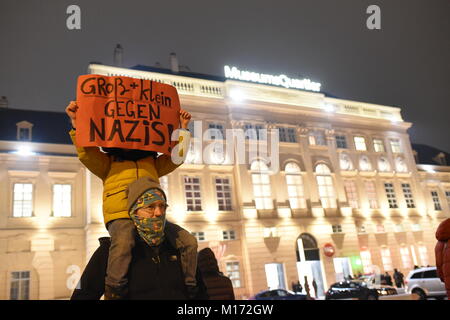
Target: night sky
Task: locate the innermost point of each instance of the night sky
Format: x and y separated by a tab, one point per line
405	64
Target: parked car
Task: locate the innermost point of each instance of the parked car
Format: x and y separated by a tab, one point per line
280	294
358	289
425	282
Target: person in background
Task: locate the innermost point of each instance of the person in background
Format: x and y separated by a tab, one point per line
442	253
218	286
398	279
388	278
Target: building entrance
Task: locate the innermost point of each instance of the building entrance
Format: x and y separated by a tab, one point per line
309	266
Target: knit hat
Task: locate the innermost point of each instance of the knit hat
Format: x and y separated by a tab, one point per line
139	187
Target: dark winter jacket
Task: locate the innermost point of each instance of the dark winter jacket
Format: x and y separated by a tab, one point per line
155	273
218	286
442	252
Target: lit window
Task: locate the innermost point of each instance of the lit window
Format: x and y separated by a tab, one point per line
366	259
416	227
233	272
399	228
295	186
345	163
23	200
325	185
371	194
436	201
164	182
406	257
378	145
352	194
401	165
364	164
407	193
192	192
337	228
191	156
317	138
216	131
423	254
261	185
395	146
390	194
200	236
223	192
386	259
228	235
341	142
270	232
62	200
360	143
383	164
20	285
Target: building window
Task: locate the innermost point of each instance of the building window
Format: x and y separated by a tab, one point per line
436	201
371	194
254	132
362	229
423	254
294	183
380	228
416	227
407	193
395	146
193	194
228	235
406	257
23	200
360	143
261	185
191	156
399	228
62	200
223	192
390	194
287	134
164	182
401	165
447	195
337	228
352	194
20	285
270	232
383	164
386	259
24	129
378	145
317	138
216	131
200	236
366	260
341	142
325	185
233	272
364	164
345	163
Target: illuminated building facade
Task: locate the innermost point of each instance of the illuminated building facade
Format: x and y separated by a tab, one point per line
347	182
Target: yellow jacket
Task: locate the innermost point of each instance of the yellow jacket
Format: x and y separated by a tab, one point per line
116	176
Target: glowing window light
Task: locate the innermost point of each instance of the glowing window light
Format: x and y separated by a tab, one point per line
24	150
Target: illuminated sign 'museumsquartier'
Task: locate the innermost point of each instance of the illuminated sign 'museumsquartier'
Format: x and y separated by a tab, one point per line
281	80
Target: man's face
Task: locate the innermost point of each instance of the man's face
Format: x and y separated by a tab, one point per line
154	210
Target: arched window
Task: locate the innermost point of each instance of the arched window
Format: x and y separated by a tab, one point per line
325	185
383	164
400	165
261	185
295	188
364	164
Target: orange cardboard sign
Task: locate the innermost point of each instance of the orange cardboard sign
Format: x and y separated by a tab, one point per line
124	112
